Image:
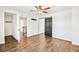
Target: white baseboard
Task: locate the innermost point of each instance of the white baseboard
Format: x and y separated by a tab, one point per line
75	43
61	38
3	42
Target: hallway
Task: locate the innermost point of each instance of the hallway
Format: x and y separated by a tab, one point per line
38	43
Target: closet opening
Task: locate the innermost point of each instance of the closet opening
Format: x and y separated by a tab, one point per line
9	26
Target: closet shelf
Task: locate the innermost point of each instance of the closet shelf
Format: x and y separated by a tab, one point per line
8	21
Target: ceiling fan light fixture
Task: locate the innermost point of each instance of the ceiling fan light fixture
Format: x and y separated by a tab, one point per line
42	9
39	12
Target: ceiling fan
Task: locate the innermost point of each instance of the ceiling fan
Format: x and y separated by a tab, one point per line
42	9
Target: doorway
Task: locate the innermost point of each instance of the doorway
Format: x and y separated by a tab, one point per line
23	26
48	26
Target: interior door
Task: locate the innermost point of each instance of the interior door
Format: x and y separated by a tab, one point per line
48	26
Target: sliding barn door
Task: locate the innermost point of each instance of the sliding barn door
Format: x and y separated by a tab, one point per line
48	26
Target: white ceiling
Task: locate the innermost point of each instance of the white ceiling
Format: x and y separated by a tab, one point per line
27	9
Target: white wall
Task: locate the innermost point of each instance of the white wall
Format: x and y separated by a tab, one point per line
75	25
32	27
2	41
41	26
16	26
62	24
8	29
35	27
14	33
21	25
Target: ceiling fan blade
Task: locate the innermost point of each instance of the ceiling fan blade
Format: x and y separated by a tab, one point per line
40	7
44	11
36	7
46	8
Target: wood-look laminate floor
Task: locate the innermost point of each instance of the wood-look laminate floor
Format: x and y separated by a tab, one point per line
38	43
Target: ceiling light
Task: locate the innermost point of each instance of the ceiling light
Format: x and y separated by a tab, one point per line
39	12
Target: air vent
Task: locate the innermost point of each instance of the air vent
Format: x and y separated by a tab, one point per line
34	19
